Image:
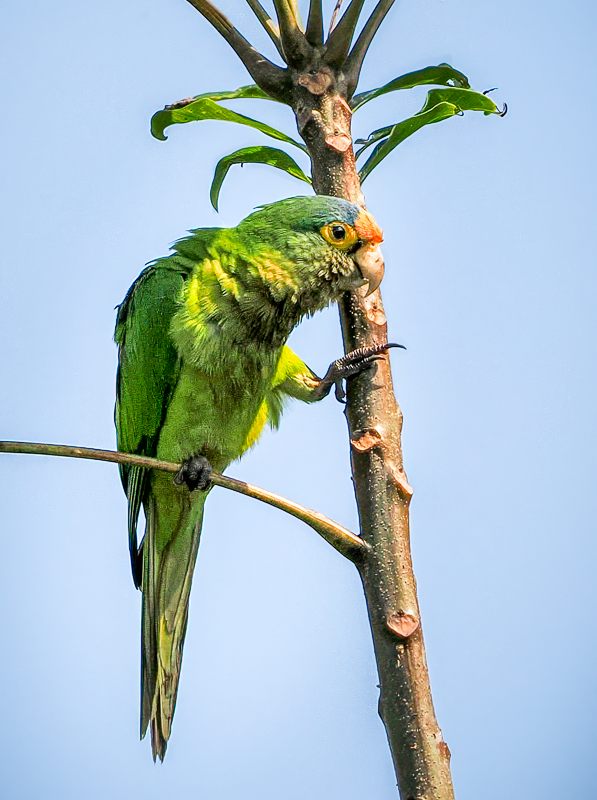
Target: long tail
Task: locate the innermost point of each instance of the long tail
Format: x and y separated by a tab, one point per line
174	519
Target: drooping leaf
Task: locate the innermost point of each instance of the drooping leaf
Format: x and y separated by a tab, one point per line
463	99
440	104
254	155
162	119
204	108
250	92
442	75
375	136
398	133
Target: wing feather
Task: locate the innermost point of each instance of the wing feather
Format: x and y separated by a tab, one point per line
148	368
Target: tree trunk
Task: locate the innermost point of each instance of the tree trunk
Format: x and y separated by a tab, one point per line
421	757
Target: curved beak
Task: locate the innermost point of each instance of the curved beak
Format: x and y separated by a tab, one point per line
371	264
368	256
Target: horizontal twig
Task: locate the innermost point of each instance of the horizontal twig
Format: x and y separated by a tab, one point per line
343	540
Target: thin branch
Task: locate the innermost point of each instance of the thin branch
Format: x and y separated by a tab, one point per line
343	540
338	43
296	47
314	32
297	15
271	78
334	17
272	30
354	62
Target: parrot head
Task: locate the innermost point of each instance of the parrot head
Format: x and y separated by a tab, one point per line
332	245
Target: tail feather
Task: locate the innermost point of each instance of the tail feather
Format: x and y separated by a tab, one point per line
168	565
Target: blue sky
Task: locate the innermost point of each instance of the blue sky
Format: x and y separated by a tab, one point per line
490	283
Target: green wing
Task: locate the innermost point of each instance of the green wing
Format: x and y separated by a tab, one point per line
148	367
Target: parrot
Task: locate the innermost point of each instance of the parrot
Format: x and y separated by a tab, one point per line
203	367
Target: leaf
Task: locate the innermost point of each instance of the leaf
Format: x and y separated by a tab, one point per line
381	133
204	108
254	155
440	104
463	99
443	74
251	92
162	119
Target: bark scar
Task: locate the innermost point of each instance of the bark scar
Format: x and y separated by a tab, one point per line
365	440
316	82
444	750
402	624
400	479
340	142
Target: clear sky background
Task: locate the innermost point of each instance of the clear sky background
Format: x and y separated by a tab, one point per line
490	283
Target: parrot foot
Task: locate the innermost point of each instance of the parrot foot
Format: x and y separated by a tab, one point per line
195	473
348	366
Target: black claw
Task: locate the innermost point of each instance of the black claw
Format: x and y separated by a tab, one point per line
339	392
195	473
355	361
352	364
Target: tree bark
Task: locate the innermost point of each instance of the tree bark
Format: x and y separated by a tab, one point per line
421	757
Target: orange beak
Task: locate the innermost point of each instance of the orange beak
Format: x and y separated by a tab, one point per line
368	256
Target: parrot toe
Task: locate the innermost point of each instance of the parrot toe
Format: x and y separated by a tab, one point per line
195	473
350	365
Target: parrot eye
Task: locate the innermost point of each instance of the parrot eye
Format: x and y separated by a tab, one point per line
340	235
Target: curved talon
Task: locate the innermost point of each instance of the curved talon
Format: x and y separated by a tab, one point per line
350	365
504	111
490	90
194	473
339	392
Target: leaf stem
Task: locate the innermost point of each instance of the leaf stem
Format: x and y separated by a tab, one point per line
354	62
340	36
267	75
343	540
270	26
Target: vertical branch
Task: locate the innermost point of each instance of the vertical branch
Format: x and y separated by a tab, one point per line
273	31
340	37
334	16
314	32
265	74
354	62
295	46
421	757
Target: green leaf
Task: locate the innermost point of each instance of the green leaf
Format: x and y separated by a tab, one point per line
251	92
380	133
204	108
443	75
440	104
162	119
463	99
254	155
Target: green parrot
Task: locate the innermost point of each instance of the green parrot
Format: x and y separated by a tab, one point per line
203	367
